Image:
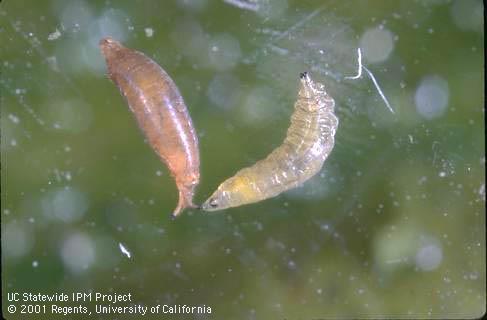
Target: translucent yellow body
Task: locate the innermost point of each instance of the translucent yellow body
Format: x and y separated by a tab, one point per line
309	140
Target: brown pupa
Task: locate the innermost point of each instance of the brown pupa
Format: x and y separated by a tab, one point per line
161	113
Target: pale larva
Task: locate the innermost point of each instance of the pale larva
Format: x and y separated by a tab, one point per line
309	140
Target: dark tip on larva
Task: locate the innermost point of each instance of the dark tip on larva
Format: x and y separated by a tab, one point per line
172	216
303	75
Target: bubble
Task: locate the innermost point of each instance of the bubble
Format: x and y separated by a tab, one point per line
393	247
111	24
291	264
17	240
377	44
83	54
74	116
468	15
224	90
75	15
78	57
78	252
272	9
429	257
431	97
258	105
52	62
193	5
190	39
13	118
224	51
66	205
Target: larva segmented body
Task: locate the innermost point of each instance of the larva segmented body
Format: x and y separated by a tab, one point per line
160	112
309	140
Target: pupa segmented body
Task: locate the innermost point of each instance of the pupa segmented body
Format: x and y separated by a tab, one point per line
160	112
309	140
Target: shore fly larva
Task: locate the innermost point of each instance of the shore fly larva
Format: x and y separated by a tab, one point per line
309	140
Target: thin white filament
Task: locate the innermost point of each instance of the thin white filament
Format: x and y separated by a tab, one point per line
371	75
359	62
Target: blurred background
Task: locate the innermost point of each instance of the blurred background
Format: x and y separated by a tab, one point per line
393	226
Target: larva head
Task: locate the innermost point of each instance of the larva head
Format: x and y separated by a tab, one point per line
313	92
219	200
233	192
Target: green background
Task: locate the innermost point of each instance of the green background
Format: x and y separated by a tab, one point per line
398	189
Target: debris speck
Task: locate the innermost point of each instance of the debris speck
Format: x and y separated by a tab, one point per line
149	32
54	35
124	250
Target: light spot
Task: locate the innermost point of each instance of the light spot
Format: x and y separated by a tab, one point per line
468	14
272	9
13	118
224	51
291	265
149	32
481	190
191	40
111	23
74	116
193	5
377	44
78	253
76	15
66	205
394	246
431	97
52	62
429	257
259	105
224	91
16	240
